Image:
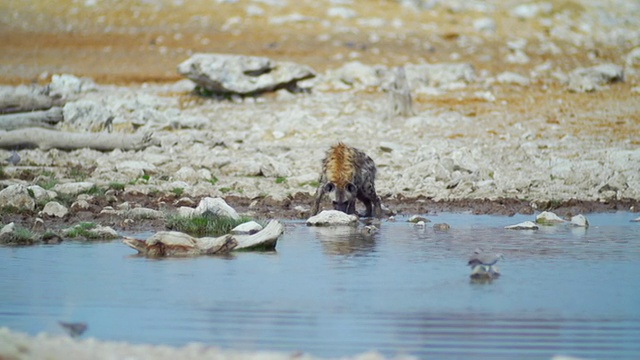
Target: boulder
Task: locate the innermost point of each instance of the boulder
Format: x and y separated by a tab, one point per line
593	78
225	74
73	188
579	221
443	75
17	196
332	218
216	206
525	225
53	208
548	218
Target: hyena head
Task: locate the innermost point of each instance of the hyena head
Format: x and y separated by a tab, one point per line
342	197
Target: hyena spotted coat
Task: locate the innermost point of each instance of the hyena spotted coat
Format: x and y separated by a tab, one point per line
348	174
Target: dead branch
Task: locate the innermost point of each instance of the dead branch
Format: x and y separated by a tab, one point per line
49	139
46	119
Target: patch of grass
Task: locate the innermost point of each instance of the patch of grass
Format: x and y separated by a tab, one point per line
20	236
10	209
177	191
204	225
225	190
281	179
1	173
144	179
95	191
213	180
116	186
79	173
314	183
81	230
47	182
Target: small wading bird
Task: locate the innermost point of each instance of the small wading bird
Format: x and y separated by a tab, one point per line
74	329
14	158
482	264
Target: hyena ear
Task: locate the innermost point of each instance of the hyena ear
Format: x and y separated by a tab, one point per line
351	188
329	187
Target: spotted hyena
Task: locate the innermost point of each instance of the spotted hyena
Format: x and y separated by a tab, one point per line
347	174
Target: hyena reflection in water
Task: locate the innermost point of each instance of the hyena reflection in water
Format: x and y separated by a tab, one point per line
348	174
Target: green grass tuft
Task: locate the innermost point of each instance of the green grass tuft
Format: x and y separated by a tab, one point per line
81	230
204	225
116	186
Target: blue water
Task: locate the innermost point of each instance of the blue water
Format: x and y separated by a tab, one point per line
332	292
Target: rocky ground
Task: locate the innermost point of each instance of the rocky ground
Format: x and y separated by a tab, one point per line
509	116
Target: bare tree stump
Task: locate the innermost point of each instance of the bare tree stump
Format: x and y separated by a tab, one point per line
49	139
400	103
46	119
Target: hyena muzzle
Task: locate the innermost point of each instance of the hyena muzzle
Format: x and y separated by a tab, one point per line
348	174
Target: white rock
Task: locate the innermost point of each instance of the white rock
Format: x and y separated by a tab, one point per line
508	77
239	74
135	168
417	218
54	208
274	168
579	221
145	213
40	194
525	225
291	18
341	12
633	58
73	188
103	232
85	115
17	196
548	218
332	218
81	205
187	174
356	74
484	24
67	86
531	10
254	10
593	78
8	229
247	228
216	206
443	75
636	219
185	211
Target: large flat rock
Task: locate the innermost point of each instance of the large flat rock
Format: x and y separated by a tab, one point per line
243	75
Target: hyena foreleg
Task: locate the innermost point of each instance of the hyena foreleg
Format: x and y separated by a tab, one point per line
318	197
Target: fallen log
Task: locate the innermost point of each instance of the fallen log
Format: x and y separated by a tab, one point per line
45	119
173	243
23	99
51	139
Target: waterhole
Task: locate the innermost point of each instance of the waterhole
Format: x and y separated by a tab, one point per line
338	292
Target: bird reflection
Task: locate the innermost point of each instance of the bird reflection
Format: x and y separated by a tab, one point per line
75	329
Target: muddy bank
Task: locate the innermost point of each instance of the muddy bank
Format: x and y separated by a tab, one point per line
296	207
